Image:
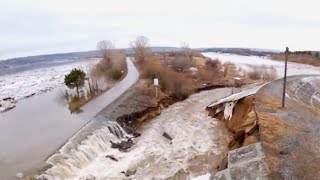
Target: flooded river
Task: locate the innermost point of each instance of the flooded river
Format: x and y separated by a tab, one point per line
40	125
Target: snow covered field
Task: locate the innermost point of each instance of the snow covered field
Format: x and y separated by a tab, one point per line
248	62
28	83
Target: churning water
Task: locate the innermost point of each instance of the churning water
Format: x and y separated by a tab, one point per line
198	145
72	157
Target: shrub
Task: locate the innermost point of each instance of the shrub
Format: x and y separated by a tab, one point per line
211	71
229	69
111	69
254	74
170	81
181	63
212	64
116	74
262	73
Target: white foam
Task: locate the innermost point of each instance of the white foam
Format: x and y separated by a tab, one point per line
153	156
203	177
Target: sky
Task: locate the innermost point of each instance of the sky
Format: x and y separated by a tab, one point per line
33	27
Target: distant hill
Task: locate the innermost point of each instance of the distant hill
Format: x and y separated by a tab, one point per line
241	51
14	65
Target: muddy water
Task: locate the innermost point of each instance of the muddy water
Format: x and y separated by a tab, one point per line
198	146
39	126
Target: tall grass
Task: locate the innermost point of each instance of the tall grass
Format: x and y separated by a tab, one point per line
298	58
262	73
170	81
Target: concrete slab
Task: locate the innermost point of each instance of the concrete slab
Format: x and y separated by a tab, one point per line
245	163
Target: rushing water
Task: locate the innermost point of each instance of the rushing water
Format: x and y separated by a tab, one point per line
69	159
198	146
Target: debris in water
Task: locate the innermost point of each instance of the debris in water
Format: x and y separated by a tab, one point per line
166	135
123	145
112	158
88	177
129	172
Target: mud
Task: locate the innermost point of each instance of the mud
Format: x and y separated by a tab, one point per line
242	124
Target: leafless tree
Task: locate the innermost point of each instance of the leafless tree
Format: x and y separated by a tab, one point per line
106	49
93	77
141	49
187	50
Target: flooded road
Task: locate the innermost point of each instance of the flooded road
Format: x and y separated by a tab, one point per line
40	125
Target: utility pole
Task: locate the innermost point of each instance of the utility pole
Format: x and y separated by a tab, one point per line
285	78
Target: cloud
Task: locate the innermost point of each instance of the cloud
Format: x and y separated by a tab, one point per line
37	26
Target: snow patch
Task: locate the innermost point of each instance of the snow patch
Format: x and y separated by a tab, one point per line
203	177
249	62
28	83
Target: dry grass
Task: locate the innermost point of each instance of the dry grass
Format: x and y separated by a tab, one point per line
176	78
298	58
114	69
263	73
229	70
211	71
75	103
171	82
181	63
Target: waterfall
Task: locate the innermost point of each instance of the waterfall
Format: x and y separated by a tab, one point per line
68	161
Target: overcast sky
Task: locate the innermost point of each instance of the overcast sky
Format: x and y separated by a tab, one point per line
30	27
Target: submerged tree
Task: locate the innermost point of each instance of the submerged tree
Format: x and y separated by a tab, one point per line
75	79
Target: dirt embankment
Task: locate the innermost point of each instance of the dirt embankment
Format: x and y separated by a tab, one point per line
242	123
139	105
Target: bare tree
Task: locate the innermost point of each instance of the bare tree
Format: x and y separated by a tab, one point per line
93	77
106	49
141	49
186	50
